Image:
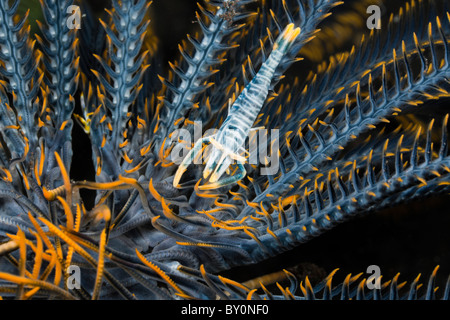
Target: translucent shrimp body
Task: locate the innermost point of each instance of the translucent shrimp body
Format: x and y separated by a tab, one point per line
229	140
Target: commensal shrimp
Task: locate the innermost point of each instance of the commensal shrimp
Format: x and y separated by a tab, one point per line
229	140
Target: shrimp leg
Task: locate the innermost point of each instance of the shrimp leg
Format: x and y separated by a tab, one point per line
228	180
188	159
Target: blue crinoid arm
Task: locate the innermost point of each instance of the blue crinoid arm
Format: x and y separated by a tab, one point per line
353	287
405	173
119	83
59	46
21	79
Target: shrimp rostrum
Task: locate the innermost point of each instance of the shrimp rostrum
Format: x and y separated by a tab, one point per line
228	141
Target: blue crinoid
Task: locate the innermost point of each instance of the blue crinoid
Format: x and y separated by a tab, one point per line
361	116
